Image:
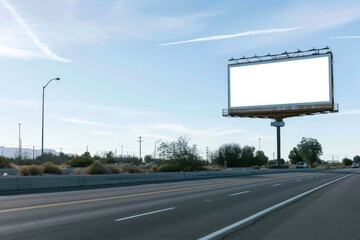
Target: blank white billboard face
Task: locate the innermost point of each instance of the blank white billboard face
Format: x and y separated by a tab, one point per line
290	81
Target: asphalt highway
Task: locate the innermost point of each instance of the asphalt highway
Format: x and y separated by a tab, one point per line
192	209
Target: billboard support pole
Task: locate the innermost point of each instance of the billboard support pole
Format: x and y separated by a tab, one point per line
278	124
278	146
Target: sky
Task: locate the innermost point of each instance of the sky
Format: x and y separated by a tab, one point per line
158	69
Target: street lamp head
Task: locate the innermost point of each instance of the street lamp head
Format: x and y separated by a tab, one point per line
58	79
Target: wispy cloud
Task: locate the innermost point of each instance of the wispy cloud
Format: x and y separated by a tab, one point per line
159	127
347	37
43	47
191	107
85	122
349	112
242	34
101	133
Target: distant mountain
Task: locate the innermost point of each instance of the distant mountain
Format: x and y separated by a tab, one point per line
28	152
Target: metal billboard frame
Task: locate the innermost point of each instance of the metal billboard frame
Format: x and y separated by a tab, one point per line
281	111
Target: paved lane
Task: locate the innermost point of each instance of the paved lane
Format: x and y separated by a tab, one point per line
181	210
330	213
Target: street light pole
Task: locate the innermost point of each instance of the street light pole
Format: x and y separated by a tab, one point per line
42	123
259	144
140	141
19	142
155	147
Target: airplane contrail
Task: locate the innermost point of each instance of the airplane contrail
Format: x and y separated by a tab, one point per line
242	34
43	47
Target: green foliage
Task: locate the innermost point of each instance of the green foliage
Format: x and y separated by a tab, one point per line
230	152
4	163
237	156
294	156
247	156
148	158
356	159
101	168
180	156
310	150
274	162
50	167
127	168
96	168
260	159
347	162
50	157
168	167
81	161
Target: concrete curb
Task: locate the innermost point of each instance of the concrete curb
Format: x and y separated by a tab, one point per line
20	183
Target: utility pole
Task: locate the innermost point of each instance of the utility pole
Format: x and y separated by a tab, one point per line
207	154
155	147
19	141
115	152
87	148
259	144
140	141
33	152
122	151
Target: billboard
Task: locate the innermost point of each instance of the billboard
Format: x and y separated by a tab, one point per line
303	84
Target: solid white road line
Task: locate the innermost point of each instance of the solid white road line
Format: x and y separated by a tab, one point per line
234	194
143	214
275	185
299	180
263	212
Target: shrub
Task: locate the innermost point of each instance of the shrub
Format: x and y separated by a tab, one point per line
30	170
96	168
168	167
99	168
81	161
152	169
127	168
24	171
4	163
50	167
113	169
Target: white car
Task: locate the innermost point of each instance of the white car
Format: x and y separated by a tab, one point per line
301	165
355	165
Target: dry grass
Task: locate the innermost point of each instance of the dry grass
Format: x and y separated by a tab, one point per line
50	167
127	168
32	170
79	171
212	168
331	166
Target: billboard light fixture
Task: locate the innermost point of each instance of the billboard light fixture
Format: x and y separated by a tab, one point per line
286	54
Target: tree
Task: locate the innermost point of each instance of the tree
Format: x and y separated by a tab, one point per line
260	158
181	156
347	162
310	150
294	156
356	159
148	158
247	156
230	152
